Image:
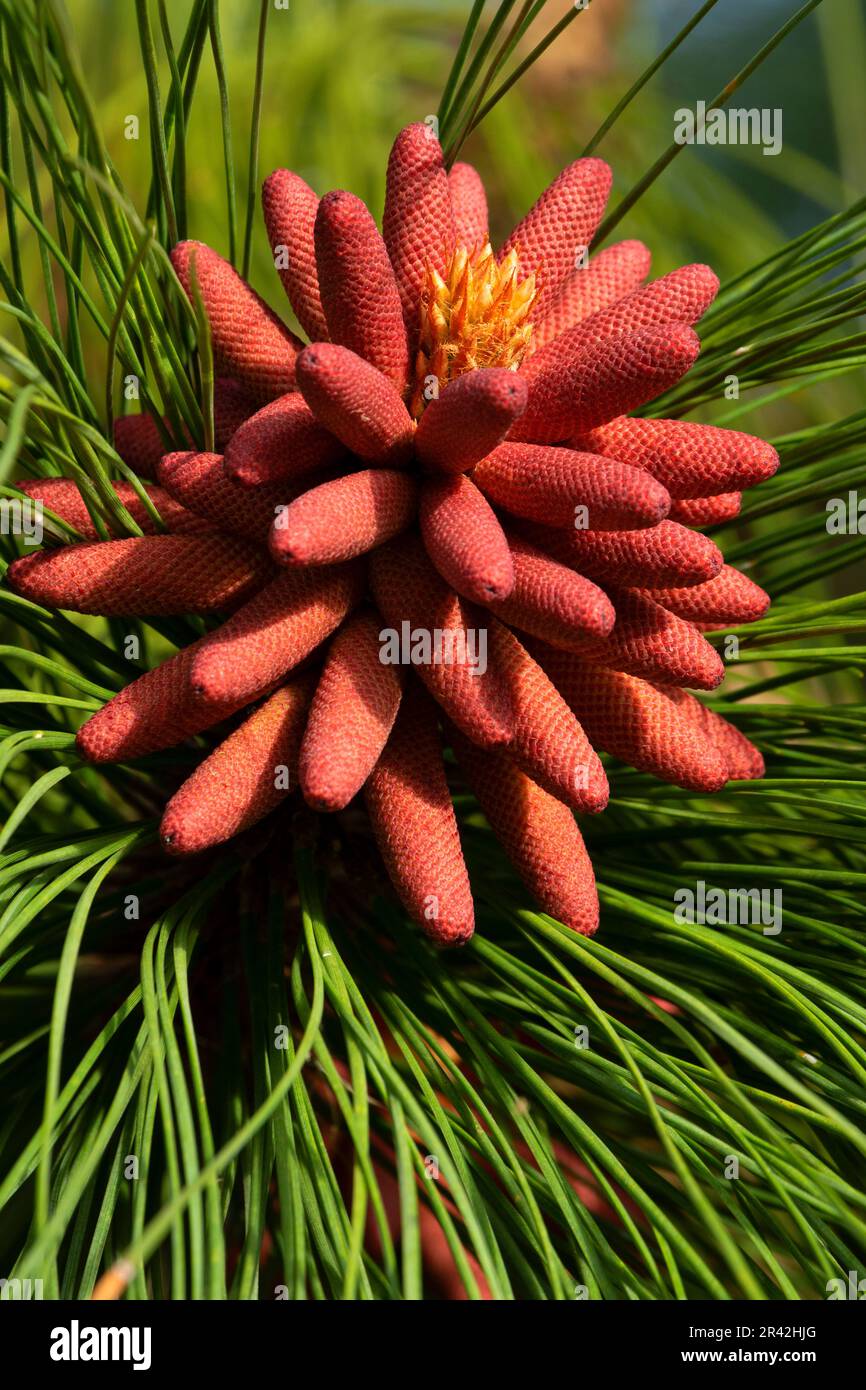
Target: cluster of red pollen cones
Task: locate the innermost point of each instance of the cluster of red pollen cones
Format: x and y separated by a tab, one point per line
455	456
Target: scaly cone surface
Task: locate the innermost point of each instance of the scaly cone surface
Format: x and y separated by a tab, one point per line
290	206
413	819
244	778
218	501
144	575
139	442
64	498
345	517
250	341
281	443
557	231
438	520
273	632
591	286
707	511
538	832
353	712
359	292
465	540
469	205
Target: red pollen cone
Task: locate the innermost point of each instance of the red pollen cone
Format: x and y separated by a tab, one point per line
359	292
691	460
418	222
154	712
744	761
655	728
473	414
729	598
707	511
231	406
558	229
412	597
551	601
413	820
62	496
242	780
662	555
548	742
250	341
554	486
201	483
140	444
282	442
144	575
273	633
469	202
650	642
607	277
344	517
290	206
352	714
539	835
357	403
681	297
593	383
465	540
